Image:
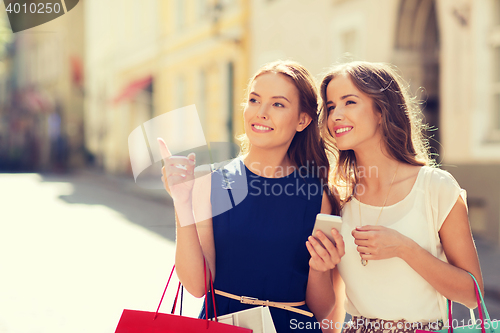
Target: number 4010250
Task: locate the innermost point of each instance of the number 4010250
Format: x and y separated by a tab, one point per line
33	8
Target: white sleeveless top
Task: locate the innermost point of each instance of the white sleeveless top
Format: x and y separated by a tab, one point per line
390	289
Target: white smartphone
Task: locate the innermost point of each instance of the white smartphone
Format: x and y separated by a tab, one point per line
326	223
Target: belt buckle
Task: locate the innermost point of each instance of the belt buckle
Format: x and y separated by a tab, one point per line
247	300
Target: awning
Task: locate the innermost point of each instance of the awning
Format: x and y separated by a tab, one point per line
130	91
76	70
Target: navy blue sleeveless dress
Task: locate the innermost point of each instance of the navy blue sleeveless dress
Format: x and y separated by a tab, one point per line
260	228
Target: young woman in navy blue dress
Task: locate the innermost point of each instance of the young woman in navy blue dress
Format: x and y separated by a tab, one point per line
251	219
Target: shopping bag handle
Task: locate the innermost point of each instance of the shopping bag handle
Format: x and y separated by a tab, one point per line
164	291
179	287
211	291
480	306
213	294
481	302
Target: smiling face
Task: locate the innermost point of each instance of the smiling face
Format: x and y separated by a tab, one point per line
272	114
352	118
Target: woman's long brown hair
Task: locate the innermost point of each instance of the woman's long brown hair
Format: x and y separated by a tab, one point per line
401	119
307	149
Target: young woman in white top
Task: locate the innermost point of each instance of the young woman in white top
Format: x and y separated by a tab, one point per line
407	237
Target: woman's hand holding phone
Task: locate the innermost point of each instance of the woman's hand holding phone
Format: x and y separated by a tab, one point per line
324	254
325	223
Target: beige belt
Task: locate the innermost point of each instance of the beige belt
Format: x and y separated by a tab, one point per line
254	301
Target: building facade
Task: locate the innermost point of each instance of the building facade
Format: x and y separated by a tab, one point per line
114	65
42	108
447	50
122	42
159	56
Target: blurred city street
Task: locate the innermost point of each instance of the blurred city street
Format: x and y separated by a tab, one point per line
86	90
75	250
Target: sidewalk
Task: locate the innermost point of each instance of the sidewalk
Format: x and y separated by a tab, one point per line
127	184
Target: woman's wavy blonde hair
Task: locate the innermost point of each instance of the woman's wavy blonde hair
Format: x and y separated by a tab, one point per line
402	128
307	148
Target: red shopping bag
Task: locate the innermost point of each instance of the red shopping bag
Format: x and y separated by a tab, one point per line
143	322
133	321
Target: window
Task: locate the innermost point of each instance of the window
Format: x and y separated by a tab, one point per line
180	93
349	37
180	101
233	149
350	42
495	52
180	14
496	11
201	8
201	105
